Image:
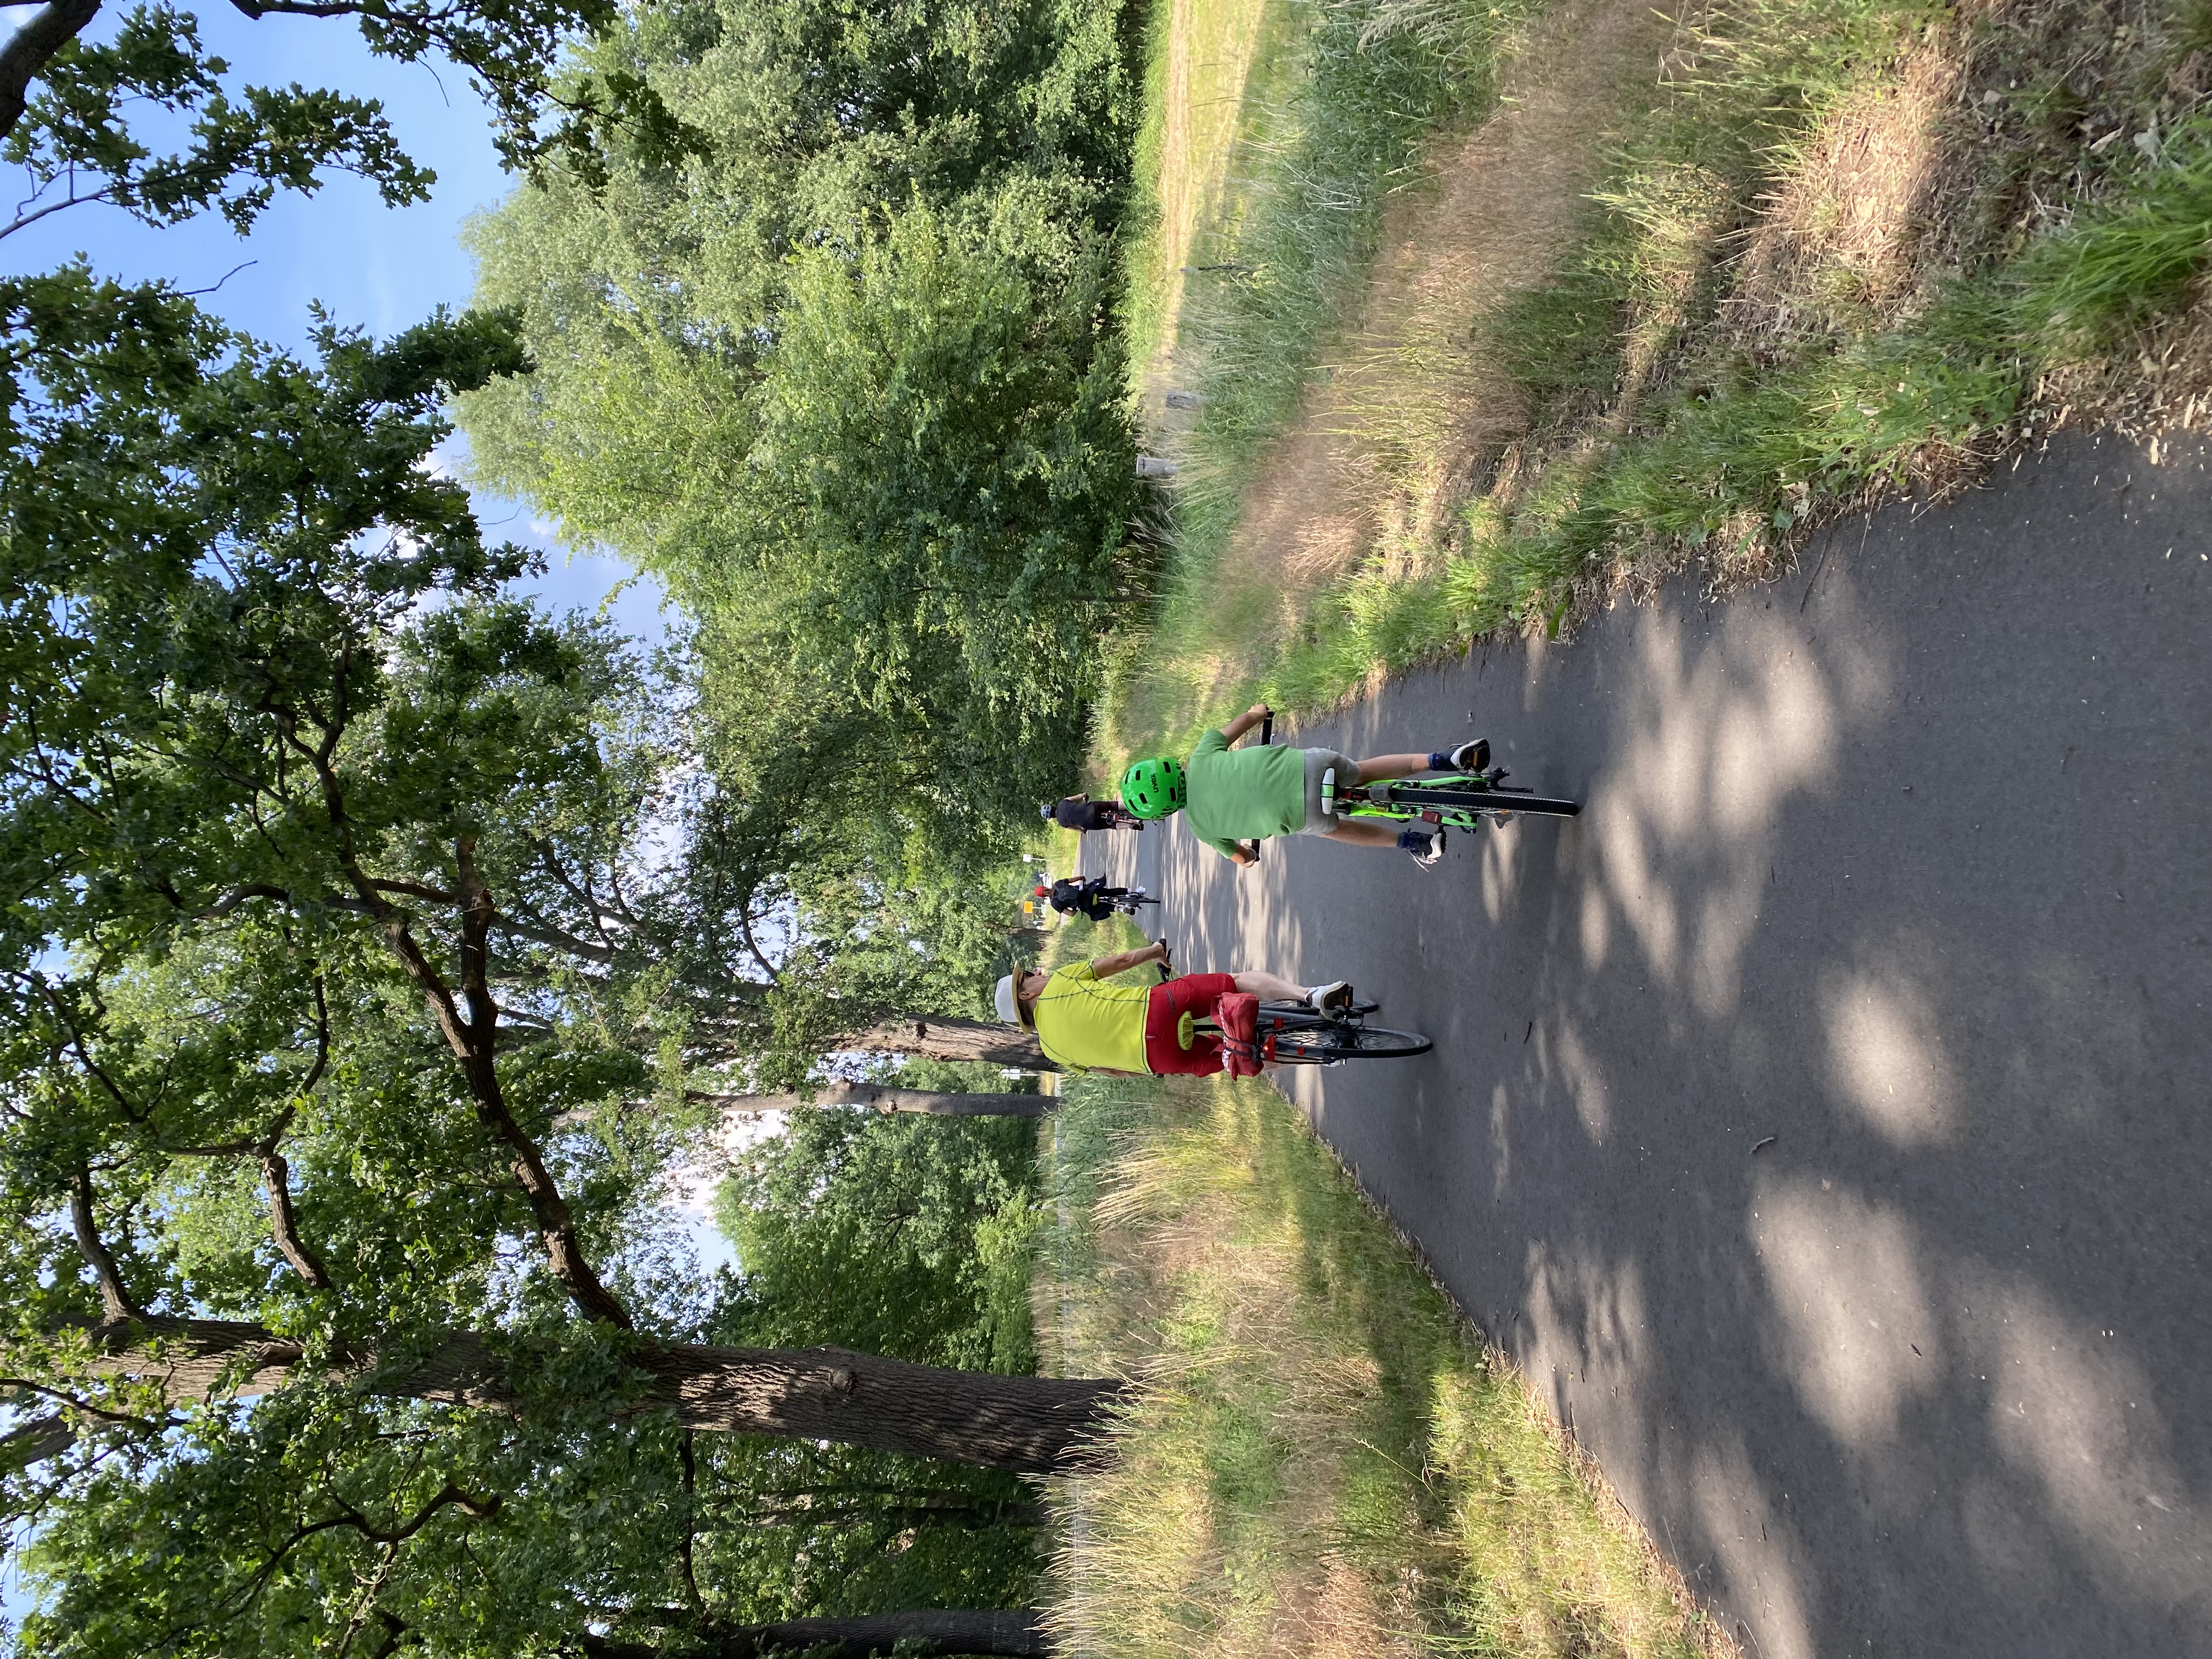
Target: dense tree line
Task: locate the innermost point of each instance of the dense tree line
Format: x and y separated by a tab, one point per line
373	943
849	380
348	897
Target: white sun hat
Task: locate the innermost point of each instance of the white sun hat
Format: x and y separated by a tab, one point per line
1002	996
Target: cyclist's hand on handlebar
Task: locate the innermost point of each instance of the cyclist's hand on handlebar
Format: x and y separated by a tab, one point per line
1246	855
1259	711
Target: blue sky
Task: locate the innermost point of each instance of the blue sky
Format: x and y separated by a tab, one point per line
375	267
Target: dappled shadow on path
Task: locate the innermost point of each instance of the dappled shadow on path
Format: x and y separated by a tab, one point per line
1822	1118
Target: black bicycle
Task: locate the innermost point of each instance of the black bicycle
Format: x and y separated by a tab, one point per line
1293	1034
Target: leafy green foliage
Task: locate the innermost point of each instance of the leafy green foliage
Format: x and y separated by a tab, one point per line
889	1233
77	132
346	893
851	385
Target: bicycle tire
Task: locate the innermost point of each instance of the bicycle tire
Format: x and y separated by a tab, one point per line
1321	1044
1483	800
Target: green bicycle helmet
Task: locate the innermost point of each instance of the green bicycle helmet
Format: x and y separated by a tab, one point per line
1154	788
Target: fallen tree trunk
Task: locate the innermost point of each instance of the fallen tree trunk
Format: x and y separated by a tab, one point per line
943	1037
930	1634
1030	1425
877	1098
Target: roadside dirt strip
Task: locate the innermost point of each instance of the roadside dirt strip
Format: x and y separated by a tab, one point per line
1824	1119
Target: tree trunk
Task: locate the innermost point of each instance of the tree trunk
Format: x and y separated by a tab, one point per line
1030	1425
943	1037
997	1633
882	1099
31	46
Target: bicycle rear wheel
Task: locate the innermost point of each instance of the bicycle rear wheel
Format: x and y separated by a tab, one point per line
1324	1044
1481	800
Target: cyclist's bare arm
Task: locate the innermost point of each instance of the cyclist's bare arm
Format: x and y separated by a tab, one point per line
1245	722
1123	961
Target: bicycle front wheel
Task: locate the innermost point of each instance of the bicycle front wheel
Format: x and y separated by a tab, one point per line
1324	1044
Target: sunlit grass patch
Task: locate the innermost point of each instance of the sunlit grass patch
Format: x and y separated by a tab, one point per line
1853	245
1322	1457
1268	178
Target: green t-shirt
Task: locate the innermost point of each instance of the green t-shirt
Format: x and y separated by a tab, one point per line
1092	1024
1242	794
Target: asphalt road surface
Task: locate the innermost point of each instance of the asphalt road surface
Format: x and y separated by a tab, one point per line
1824	1119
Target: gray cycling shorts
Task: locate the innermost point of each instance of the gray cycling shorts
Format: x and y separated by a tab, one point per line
1318	761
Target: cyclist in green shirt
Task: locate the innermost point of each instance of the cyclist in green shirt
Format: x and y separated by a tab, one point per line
1231	797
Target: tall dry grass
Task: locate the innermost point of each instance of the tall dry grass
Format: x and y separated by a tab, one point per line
1321	1458
1849	245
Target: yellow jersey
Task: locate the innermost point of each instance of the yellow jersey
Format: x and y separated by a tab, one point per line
1088	1023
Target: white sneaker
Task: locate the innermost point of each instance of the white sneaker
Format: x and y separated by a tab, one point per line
1472	756
1431	855
1333	997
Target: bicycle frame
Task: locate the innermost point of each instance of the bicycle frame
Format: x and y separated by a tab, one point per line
1436	800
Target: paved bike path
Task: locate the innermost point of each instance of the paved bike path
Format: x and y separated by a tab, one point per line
1824	1119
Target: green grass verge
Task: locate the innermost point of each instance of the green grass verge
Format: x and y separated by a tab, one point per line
1341	98
1734	459
2079	166
1336	119
1322	1456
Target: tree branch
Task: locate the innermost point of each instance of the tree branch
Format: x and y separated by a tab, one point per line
880	1097
24	220
238	896
415	889
690	1522
276	1174
284	1224
545	934
115	1301
32	48
745	928
36	1441
76	1046
473	1040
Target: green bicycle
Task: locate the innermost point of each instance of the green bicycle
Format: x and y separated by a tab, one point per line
1459	800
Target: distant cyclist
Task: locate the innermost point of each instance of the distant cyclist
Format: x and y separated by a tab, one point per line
1082	814
1230	796
1085	1025
1090	898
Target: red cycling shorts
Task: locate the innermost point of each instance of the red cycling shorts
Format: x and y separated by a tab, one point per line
1195	994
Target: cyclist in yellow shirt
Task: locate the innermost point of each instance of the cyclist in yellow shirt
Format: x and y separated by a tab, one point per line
1085	1025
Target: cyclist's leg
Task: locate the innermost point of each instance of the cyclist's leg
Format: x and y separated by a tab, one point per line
1270	987
1365	832
1377	768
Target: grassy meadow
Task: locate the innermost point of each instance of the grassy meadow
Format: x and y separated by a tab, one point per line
1819	251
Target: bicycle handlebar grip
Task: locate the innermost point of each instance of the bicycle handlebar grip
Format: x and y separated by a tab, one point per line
1267	736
